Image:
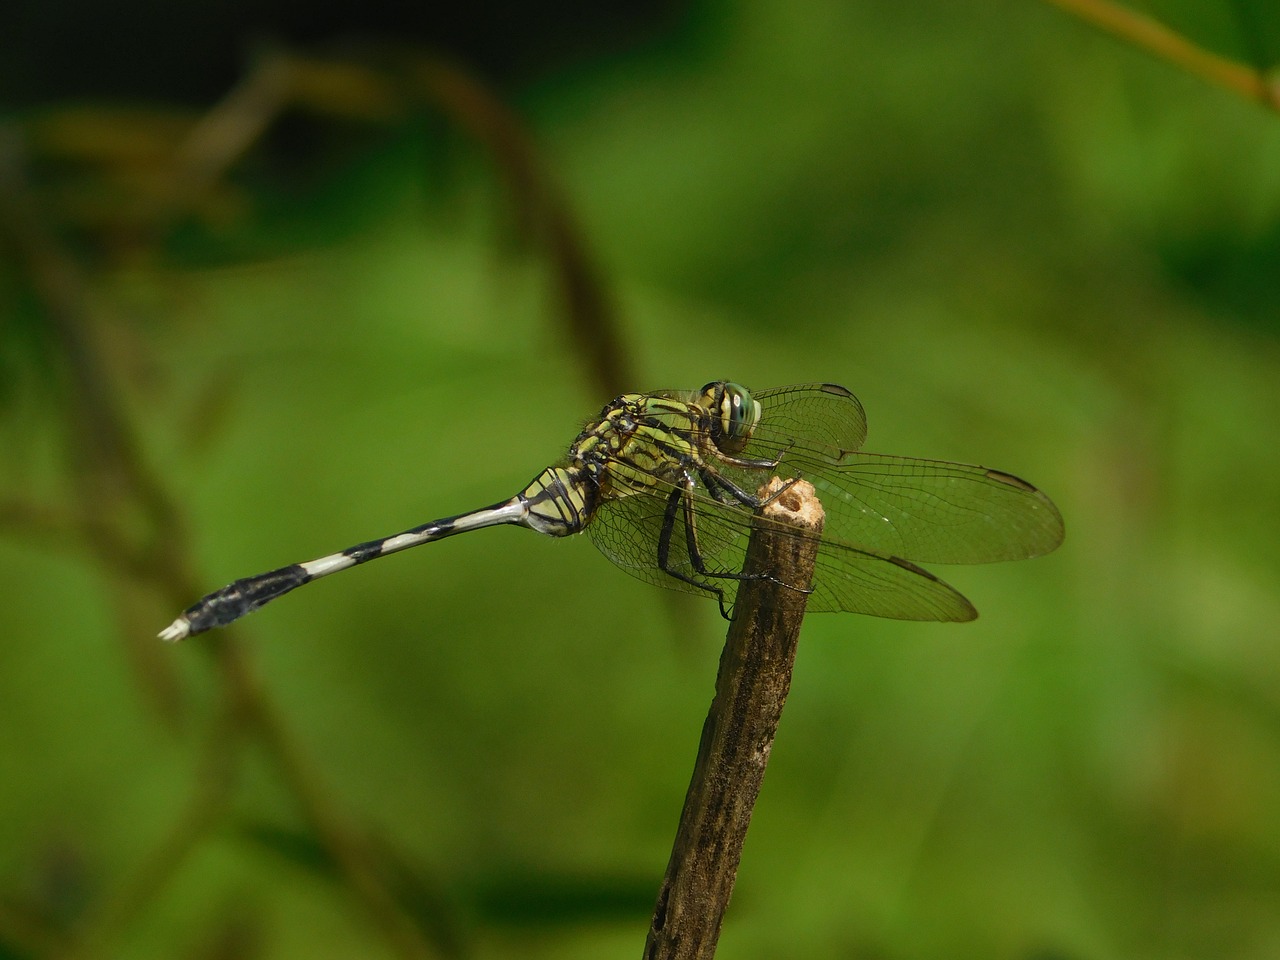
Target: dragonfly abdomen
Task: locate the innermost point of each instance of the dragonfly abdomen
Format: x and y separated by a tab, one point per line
244	596
237	599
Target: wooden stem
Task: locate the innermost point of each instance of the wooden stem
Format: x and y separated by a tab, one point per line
751	689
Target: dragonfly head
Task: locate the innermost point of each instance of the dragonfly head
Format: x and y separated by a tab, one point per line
734	414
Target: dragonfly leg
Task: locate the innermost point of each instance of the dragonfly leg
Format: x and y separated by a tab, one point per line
683	496
664	550
763	464
772	498
725	491
718	485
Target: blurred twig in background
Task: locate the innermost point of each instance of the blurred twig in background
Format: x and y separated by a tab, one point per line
1253	83
388	91
123	515
132	526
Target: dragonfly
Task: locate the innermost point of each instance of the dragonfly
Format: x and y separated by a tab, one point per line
668	485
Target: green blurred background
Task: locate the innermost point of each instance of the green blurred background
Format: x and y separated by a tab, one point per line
1021	242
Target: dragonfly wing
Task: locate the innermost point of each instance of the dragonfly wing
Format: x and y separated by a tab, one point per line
820	417
931	511
857	581
628	531
928	511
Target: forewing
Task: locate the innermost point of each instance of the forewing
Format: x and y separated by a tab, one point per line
628	531
930	511
821	419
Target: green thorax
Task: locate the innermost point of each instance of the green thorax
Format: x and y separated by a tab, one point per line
640	439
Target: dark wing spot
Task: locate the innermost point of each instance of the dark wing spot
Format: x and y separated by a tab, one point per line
1011	480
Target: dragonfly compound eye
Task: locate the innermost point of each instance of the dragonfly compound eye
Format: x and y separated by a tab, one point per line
737	413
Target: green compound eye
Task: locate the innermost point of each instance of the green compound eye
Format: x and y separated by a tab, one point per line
739	414
734	414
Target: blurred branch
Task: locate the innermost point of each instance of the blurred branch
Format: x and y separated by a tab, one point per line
117	489
34	521
352	90
232	128
1156	38
121	509
213	783
22	934
592	325
223	136
102	439
180	168
737	737
346	845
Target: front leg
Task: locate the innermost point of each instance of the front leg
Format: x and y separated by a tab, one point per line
721	487
669	516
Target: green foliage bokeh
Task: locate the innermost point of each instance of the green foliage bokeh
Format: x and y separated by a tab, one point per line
1018	242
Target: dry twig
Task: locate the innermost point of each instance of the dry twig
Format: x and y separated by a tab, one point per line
737	737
